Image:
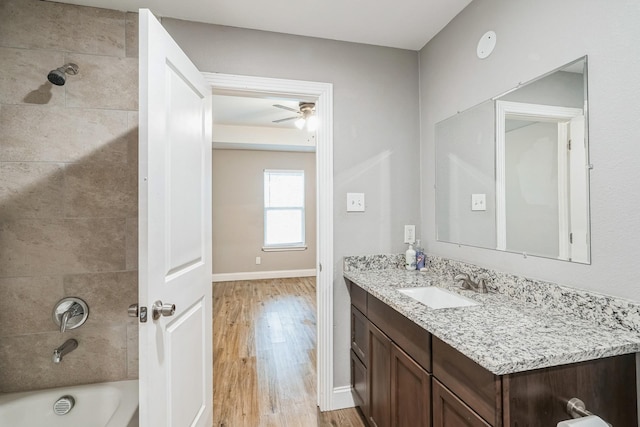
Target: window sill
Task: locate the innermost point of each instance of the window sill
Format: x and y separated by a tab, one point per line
283	248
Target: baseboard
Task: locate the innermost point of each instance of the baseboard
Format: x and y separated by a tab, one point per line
257	275
342	398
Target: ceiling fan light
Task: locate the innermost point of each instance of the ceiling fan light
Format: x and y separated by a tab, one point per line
300	123
312	124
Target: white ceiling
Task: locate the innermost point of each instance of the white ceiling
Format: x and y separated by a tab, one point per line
406	24
252	111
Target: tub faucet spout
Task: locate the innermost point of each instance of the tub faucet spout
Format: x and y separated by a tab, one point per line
67	347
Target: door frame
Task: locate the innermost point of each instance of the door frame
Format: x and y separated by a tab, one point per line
327	397
546	113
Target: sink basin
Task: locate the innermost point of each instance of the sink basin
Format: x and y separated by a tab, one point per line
437	297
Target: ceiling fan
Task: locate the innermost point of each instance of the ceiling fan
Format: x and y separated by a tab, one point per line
305	115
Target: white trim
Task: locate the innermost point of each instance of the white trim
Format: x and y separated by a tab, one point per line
564	247
284	248
322	93
342	398
259	275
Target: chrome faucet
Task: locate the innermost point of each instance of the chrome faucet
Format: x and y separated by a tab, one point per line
466	282
73	311
66	348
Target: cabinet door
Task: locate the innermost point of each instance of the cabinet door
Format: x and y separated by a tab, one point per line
449	411
359	334
359	384
410	391
379	371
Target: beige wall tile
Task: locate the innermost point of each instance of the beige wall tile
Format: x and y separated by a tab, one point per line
131	34
26	304
107	294
131	237
132	351
25	361
24	77
99	190
35	133
33	247
31	190
48	25
103	82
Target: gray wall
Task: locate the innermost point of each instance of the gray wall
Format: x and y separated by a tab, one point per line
532	39
376	132
68	192
238	211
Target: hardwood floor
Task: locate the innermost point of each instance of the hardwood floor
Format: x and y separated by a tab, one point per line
264	359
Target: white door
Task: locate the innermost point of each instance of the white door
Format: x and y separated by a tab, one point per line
174	234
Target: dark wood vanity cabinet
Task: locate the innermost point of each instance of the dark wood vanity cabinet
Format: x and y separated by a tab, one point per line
478	388
402	376
379	378
410	391
391	388
450	411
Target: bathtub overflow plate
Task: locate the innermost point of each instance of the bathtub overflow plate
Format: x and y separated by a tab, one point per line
64	405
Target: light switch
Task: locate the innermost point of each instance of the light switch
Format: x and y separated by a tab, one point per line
478	202
409	233
355	202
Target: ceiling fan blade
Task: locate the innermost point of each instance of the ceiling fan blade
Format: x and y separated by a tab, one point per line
285	120
286	108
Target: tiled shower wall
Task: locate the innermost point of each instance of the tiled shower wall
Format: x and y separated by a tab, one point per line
68	192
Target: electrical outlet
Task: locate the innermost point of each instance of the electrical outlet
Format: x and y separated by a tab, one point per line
478	202
355	202
409	233
258	260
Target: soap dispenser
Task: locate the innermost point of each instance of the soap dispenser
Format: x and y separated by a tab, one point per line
410	258
420	258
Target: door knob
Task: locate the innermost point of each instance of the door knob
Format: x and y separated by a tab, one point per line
160	309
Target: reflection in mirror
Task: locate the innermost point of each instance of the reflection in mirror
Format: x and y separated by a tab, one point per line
525	153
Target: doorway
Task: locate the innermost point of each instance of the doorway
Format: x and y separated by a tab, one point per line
323	93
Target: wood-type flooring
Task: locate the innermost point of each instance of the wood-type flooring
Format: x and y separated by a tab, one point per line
264	358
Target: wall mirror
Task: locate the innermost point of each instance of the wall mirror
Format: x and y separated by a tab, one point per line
512	173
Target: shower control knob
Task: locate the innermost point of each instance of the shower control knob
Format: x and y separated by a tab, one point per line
160	309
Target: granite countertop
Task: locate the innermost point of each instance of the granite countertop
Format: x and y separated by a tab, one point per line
502	334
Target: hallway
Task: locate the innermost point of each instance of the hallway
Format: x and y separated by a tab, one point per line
264	363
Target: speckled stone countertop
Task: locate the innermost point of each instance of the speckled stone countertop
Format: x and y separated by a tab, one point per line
503	334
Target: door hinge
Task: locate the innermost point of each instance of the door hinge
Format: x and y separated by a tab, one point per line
320	265
570	237
569	145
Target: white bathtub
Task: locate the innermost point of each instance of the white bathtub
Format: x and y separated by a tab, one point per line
113	404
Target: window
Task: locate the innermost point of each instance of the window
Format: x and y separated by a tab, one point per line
283	209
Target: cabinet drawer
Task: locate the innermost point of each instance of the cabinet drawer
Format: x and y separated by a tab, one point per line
414	340
359	384
359	334
359	298
449	411
477	387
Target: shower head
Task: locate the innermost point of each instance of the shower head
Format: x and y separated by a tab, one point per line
58	76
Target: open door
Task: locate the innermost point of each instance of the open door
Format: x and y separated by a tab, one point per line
174	234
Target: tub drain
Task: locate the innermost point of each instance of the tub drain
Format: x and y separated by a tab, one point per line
64	405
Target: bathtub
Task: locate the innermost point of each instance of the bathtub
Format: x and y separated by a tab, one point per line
113	404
